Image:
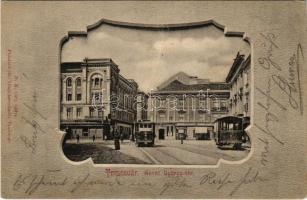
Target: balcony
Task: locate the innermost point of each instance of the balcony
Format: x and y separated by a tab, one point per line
203	110
85	120
181	110
161	110
93	118
220	109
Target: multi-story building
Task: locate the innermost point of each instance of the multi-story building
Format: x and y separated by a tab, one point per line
96	99
238	78
188	104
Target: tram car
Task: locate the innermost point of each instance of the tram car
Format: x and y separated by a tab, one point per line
229	131
145	134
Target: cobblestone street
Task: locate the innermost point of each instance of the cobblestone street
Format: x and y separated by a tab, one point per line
165	152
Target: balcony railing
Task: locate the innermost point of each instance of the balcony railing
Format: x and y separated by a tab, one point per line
93	118
85	119
221	109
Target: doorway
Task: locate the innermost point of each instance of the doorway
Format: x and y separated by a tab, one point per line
161	134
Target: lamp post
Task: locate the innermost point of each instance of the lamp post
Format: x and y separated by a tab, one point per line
208	104
208	100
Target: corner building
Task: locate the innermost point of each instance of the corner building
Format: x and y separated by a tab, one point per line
239	79
96	99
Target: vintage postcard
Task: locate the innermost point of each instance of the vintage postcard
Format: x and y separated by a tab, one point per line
155	100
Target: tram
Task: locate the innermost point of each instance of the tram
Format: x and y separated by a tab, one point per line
145	133
229	131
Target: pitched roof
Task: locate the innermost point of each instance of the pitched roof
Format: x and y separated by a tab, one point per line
184	79
178	86
239	62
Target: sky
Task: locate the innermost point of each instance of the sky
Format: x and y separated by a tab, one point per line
151	57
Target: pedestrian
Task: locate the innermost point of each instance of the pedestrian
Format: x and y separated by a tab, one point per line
121	137
181	137
131	138
116	140
94	137
78	138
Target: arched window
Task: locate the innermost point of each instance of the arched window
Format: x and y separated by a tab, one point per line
96	81
68	82
78	82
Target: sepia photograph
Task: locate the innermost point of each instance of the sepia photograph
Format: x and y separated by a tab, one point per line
155	94
153	99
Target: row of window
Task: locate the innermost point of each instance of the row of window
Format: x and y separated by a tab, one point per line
145	125
124	100
245	108
69	112
183	117
78	97
96	81
69	92
183	103
236	99
242	80
92	111
69	82
125	116
95	97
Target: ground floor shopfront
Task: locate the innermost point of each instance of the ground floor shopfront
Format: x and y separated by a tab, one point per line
163	131
99	130
191	130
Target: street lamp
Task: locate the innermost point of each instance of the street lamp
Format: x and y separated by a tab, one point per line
208	104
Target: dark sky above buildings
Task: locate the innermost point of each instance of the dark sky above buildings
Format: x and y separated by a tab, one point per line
151	57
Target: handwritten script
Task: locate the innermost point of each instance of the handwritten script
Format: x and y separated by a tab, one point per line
31	183
289	86
250	176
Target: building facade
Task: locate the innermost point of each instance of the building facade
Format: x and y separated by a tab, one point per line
187	104
239	78
96	99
